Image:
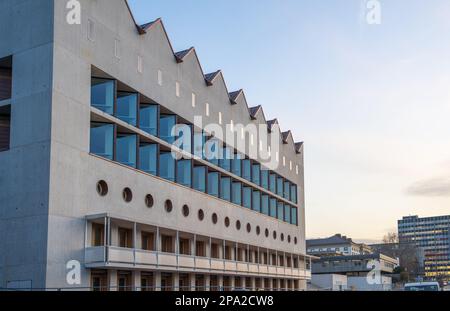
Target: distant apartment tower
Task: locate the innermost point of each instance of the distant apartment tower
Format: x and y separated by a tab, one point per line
432	234
88	173
336	245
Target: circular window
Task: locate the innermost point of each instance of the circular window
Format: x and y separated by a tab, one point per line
185	210
102	188
249	228
289	239
127	195
282	237
267	233
201	215
168	206
295	241
274	235
227	222
238	225
258	230
214	218
149	201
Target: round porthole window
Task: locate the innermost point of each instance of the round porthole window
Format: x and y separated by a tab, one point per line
102	188
201	215
258	230
238	225
168	206
274	235
185	210
214	218
282	237
267	233
127	195
249	228
227	222
289	239
149	202
295	241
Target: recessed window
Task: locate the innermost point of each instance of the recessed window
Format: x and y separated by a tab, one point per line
296	169
102	188
127	195
266	233
194	100
149	202
274	235
91	30
207	109
177	89
282	237
168	206
214	218
185	210
284	161
258	230
201	215
220	117
238	225
227	222
249	228
160	78
140	64
290	165
117	48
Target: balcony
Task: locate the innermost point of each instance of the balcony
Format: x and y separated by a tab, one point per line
116	257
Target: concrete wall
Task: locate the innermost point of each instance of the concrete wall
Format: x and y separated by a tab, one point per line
360	283
334	282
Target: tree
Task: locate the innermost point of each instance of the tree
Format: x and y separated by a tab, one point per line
390	238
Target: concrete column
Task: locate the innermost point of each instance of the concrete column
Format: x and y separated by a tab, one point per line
208	282
231	283
136	280
112	280
176	281
192	280
220	282
157	277
253	283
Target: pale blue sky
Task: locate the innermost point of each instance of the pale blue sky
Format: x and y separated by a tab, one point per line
371	102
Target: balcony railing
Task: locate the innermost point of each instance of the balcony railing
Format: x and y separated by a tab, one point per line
111	256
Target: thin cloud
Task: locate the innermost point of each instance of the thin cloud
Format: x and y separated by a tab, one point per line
435	187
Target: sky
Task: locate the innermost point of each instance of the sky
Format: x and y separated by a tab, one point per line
370	101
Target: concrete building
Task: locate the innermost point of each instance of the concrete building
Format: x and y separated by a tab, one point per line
93	196
335	246
432	235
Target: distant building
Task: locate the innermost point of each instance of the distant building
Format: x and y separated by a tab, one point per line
335	246
432	235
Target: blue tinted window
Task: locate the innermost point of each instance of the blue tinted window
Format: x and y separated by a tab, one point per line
247	169
280	211
265	179
166	124
236	192
127	107
265	204
225	161
148	158
167	166
102	95
213	184
126	149
148	119
256	174
273	183
225	188
287	190
184	137
294	219
256	201
247	197
213	150
102	140
287	213
294	194
236	165
184	172
273	207
199	145
280	183
200	178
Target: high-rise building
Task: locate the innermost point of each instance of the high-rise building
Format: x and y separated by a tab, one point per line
114	172
431	234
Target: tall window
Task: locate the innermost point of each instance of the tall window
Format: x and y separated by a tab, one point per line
273	207
225	188
287	190
294	216
148	119
247	197
167	166
102	95
200	178
256	174
280	183
102	140
265	179
280	212
256	201
148	158
247	169
236	193
127	107
166	124
213	184
184	168
126	149
287	213
5	78
225	161
273	183
199	144
213	150
294	194
265	204
236	165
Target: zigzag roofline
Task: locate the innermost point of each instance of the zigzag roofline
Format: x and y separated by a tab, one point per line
211	77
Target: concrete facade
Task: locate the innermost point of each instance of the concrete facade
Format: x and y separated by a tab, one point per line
48	177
